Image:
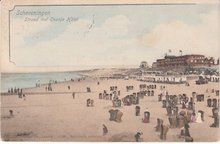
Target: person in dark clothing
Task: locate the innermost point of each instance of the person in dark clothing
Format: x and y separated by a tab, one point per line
138	136
11	112
105	130
187	130
187	135
73	95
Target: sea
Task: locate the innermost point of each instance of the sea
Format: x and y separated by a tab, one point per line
27	80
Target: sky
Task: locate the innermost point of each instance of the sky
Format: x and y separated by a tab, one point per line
111	35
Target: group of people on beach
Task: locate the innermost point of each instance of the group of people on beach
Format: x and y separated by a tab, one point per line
180	119
14	90
49	87
177	118
17	91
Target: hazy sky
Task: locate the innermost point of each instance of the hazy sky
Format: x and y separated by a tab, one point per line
111	35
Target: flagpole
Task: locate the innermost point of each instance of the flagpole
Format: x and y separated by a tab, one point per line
169	51
180	52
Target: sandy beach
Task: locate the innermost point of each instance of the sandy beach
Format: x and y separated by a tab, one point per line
110	71
56	116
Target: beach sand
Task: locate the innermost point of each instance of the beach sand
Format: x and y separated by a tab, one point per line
56	116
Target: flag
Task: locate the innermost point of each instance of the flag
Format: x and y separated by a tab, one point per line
169	51
181	51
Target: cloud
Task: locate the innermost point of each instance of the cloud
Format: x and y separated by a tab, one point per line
202	38
86	42
117	25
20	29
82	43
149	39
86	28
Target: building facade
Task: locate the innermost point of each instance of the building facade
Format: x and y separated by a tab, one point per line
184	61
163	79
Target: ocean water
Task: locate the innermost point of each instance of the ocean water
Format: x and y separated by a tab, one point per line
25	80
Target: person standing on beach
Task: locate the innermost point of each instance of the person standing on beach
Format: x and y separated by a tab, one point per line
164	93
187	135
119	93
20	95
73	95
138	136
11	113
15	90
193	117
24	96
105	130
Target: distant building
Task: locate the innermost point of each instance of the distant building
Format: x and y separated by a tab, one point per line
194	60
154	65
163	78
218	61
144	64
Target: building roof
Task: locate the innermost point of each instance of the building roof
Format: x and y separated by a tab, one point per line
171	56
